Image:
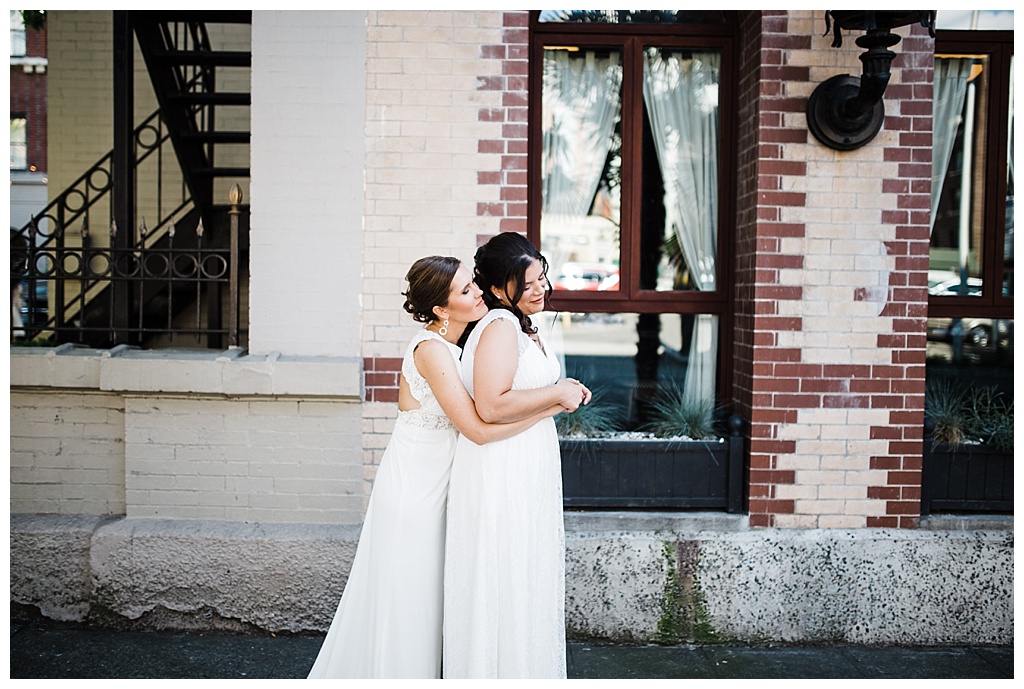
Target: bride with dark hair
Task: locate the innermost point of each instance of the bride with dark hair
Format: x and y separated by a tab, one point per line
388	623
504	606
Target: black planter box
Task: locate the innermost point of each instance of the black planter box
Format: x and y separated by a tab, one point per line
966	478
677	474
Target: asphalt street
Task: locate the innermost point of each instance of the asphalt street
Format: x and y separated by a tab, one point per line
45	650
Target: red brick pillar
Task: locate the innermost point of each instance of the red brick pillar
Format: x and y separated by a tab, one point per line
832	253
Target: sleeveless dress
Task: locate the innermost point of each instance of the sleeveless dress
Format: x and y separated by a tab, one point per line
388	624
504	579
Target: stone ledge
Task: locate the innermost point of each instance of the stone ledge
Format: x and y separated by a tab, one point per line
624	521
231	372
967	522
728	582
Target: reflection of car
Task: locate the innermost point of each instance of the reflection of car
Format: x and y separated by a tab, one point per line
951	287
976	332
584	276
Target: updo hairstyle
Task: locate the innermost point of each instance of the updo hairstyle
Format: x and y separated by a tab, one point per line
505	258
430	284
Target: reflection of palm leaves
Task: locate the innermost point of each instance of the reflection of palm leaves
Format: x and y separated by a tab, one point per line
673	251
595	420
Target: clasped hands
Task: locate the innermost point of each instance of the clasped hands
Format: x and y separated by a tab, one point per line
574	393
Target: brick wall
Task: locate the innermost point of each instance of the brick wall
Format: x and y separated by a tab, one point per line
67	453
832	339
907	297
445	164
749	116
511	177
80	95
28	100
256	460
194	436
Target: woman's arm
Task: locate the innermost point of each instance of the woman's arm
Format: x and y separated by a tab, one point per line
494	368
436	365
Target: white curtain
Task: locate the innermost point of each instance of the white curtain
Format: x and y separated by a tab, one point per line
581	102
681	94
948	94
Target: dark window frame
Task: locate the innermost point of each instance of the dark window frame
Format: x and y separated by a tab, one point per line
998	46
631	38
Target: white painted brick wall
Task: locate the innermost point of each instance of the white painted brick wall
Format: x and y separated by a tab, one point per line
253	460
308	122
67	453
423	127
81	126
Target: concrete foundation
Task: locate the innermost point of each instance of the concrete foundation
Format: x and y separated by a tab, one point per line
661	578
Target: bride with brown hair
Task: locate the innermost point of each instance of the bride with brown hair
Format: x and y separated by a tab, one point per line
388	623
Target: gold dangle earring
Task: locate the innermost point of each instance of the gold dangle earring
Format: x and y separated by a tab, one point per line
444	328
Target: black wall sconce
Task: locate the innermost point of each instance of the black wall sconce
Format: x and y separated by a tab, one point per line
846	112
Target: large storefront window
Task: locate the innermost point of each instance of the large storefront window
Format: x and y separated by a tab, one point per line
627	188
970	308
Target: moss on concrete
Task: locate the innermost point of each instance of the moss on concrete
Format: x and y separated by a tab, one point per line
684	610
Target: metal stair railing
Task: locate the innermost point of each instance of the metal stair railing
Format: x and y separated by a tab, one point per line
49	247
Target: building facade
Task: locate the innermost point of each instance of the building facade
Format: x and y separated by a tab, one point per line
379	137
28	120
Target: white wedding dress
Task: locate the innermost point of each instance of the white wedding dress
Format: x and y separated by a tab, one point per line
504	579
388	624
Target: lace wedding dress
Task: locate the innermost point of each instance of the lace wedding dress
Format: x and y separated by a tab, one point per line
504	580
388	624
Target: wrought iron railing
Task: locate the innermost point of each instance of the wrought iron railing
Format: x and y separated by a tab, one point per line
172	283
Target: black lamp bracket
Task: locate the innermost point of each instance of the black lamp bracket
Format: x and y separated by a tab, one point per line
846	112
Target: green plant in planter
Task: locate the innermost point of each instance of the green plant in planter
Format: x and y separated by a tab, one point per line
675	415
990	418
595	420
961	415
944	405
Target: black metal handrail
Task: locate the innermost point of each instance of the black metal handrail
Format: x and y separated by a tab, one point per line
65	231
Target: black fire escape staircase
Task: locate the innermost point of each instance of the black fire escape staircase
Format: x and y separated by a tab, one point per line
182	67
150	276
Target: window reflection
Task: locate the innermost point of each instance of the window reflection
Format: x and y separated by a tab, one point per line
680	170
626	358
1008	237
958	175
975	20
582	168
976	352
632	16
581	190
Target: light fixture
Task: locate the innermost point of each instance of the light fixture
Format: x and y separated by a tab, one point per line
846	112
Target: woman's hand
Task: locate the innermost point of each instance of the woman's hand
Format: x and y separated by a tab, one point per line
572	393
587	395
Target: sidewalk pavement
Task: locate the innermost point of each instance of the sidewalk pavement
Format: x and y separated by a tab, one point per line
41	650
